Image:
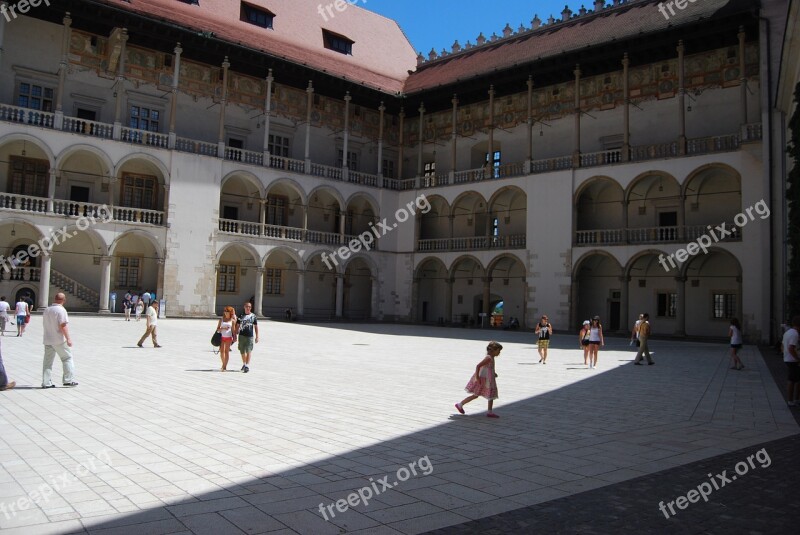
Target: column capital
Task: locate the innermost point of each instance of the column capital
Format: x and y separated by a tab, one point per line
454	101
530	81
491	90
260	269
270	78
625	60
225	63
680	48
347	97
310	88
624	278
381	108
67	19
402	112
178	50
681	278
106	258
577	71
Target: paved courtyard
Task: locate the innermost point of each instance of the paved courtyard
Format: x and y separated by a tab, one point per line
159	441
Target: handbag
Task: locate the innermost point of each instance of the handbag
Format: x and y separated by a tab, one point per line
216	340
27	320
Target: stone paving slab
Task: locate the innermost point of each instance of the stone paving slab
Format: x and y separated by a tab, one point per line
159	441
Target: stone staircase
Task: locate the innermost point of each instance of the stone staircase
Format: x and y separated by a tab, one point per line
80	298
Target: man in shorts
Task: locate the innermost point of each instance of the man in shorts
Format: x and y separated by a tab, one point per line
248	325
791	356
543	330
4	308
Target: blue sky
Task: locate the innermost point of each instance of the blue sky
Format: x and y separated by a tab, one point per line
437	23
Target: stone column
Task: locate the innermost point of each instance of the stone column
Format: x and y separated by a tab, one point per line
448	304
576	152
487	294
2	32
742	77
382	110
346	141
530	125
681	217
160	279
490	163
681	101
267	116
626	91
119	86
309	107
624	220
623	303
44	279
339	294
173	104
400	145
374	311
420	169
301	292
573	303
58	120
454	140
213	300
680	314
105	284
262	219
222	105
257	306
51	188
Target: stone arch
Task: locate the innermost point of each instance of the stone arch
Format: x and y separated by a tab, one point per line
27	138
140	233
152	160
104	158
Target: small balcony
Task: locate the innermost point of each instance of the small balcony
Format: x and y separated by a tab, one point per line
476	243
646	235
71	209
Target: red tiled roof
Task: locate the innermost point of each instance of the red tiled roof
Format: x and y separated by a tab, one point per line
382	55
622	22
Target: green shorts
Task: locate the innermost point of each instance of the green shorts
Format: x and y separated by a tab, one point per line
246	344
544	344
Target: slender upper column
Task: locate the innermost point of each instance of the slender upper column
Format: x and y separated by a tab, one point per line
339	294
44	279
309	106
400	144
105	283
259	300
421	144
382	110
530	121
742	76
680	313
3	35
222	105
681	100
454	137
626	132
119	85
62	72
576	153
301	292
490	163
346	142
267	116
623	303
173	108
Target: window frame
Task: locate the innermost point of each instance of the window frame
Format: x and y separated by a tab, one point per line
154	196
42	187
275	209
224	275
337	42
269	281
271	145
727	307
127	282
670	305
247	10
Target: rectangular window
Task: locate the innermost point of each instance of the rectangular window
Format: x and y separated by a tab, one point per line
35	97
278	146
276	210
145	118
227	278
429	169
138	191
128	271
388	168
495	163
724	306
337	43
28	176
352	160
667	305
257	16
273	281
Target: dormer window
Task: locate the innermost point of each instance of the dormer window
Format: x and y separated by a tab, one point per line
257	16
337	43
193	2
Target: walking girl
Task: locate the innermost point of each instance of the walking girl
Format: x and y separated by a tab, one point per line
595	340
226	327
583	338
735	332
483	382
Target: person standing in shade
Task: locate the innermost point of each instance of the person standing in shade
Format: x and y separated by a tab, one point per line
644	336
791	356
152	323
22	311
543	331
147	298
635	331
4	308
126	307
5	384
248	325
595	341
735	333
57	342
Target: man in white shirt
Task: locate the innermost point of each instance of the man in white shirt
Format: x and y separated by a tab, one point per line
4	308
57	341
791	356
152	323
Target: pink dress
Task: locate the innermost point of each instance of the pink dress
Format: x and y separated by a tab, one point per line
488	386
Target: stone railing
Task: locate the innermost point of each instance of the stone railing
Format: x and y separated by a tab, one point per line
183	144
23	203
87	128
73	287
64	208
511	241
365	179
16	114
287	164
145	137
137	215
604	157
633	236
246	156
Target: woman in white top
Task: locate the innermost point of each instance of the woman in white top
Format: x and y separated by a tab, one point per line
735	332
22	312
226	327
595	340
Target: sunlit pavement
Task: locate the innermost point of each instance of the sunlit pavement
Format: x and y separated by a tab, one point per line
159	441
